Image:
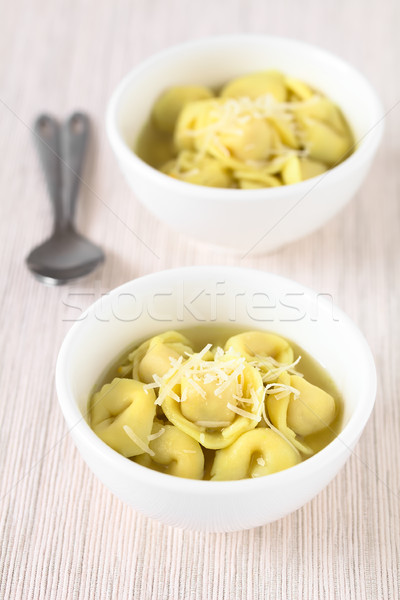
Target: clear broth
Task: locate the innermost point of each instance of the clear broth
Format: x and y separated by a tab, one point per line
313	371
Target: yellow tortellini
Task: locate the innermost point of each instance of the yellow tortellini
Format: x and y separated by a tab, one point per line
174	452
154	146
256	453
323	143
321	109
122	415
299	89
259	344
310	411
250	178
311	168
240	410
259	130
199	129
250	183
167	108
299	408
154	356
204	171
205	409
256	142
255	85
195	119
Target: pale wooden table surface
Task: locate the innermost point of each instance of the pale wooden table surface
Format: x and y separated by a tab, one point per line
63	535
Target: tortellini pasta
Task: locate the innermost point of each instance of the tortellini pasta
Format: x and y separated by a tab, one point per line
299	408
154	356
204	171
122	415
255	85
208	410
241	410
256	453
259	344
174	452
167	108
259	130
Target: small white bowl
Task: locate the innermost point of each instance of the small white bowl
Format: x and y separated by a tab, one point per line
246	220
191	296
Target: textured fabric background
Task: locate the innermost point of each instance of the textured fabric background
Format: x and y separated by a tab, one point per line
63	535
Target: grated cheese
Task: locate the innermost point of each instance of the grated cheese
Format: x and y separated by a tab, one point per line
174	362
192	381
150	386
254	398
240	398
154	436
243	413
274	367
231	115
233	377
268	422
225	369
142	445
281	390
171	380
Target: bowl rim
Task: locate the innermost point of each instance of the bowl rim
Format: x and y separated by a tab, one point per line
342	444
364	147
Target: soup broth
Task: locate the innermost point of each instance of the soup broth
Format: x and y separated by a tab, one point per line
260	130
194	402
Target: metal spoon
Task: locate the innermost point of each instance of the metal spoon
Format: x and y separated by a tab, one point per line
66	255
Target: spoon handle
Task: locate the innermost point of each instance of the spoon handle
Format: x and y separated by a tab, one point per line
47	135
75	136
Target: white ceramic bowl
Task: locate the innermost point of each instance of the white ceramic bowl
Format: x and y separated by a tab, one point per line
185	297
247	220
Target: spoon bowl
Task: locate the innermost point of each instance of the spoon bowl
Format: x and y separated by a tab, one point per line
66	255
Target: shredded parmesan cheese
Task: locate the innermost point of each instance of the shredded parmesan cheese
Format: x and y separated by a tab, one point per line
142	445
226	369
231	115
192	381
243	413
281	390
156	435
170	380
233	377
150	386
255	398
268	422
274	368
243	400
